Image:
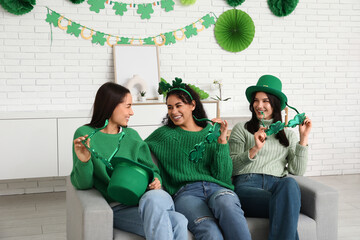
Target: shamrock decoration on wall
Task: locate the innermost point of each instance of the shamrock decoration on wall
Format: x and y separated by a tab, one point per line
96	5
120	8
53	18
145	10
99	38
74	29
168	5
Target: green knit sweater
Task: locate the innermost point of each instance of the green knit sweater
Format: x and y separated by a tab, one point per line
273	158
172	146
93	173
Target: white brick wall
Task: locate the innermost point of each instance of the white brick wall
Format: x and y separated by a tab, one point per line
315	51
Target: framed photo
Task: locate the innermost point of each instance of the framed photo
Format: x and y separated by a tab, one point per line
137	68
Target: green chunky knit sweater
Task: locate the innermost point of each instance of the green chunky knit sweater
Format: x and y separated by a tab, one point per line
93	173
172	146
273	158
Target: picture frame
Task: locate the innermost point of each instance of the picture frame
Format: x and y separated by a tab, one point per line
137	68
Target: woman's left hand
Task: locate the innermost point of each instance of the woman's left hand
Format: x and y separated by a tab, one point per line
155	184
304	130
223	129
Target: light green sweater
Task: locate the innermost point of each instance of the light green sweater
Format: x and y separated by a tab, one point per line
93	173
273	159
172	146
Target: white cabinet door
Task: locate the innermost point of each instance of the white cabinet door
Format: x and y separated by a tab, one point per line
28	148
66	130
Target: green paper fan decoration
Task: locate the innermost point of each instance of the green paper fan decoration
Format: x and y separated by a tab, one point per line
77	1
18	7
234	30
187	2
235	3
282	8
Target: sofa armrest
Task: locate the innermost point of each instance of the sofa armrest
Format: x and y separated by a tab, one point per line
320	202
89	216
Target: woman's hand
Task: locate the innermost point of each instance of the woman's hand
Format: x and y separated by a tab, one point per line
259	137
81	152
304	130
223	129
155	184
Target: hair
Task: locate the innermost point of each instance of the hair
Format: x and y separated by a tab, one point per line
198	112
107	98
253	124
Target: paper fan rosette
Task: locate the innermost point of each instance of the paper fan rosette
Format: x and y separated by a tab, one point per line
18	7
234	30
282	8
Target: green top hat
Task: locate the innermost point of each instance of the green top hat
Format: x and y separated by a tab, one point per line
129	180
269	84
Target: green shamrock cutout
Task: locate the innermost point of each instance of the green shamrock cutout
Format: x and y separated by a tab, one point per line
168	5
96	5
164	87
74	29
145	10
149	41
275	128
120	8
99	38
177	83
169	37
208	21
297	120
124	40
214	133
53	18
190	31
197	153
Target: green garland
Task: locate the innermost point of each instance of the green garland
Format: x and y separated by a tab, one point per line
18	7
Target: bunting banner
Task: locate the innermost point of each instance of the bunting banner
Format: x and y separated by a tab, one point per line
97	37
144	9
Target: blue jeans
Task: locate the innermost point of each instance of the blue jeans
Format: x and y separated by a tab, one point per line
213	212
155	218
278	199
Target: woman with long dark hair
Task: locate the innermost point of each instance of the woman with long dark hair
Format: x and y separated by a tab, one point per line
262	161
154	216
198	174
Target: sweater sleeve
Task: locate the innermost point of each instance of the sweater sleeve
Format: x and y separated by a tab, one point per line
146	159
238	152
297	155
222	167
82	173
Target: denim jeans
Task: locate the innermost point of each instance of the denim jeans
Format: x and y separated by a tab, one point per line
276	198
155	218
213	212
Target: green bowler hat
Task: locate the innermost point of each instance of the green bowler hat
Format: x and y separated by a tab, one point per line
269	84
129	180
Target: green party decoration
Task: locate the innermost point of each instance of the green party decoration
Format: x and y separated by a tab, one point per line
149	41
77	1
208	20
96	5
214	133
202	94
74	29
275	128
168	5
120	8
18	7
99	38
197	153
234	30
190	31
170	38
297	120
124	40
282	8
235	3
187	2
53	18
145	10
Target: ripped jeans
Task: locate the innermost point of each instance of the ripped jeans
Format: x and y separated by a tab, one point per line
213	212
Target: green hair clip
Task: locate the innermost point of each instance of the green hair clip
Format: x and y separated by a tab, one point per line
214	132
106	161
274	128
177	84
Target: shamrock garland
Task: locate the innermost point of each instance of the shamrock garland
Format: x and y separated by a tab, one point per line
144	9
97	37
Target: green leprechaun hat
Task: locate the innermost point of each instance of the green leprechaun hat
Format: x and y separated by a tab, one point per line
269	84
129	180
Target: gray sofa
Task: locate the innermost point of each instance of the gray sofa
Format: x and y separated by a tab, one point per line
89	216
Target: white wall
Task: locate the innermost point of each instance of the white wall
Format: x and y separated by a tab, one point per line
315	51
